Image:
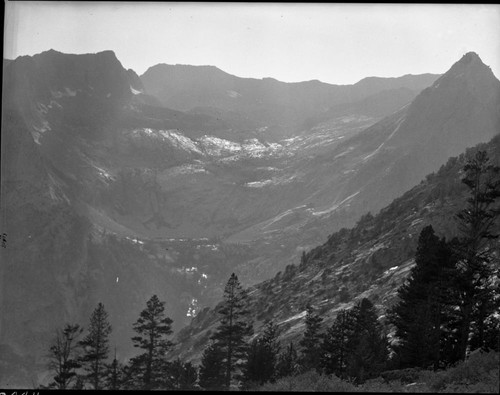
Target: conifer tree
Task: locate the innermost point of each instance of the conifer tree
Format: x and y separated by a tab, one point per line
234	327
131	376
476	226
212	372
79	384
288	362
260	366
337	344
311	341
369	347
189	377
253	369
95	347
153	328
183	376
425	307
63	356
272	347
114	374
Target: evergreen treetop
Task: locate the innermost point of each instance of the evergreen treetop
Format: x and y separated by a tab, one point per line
96	348
153	328
235	327
311	340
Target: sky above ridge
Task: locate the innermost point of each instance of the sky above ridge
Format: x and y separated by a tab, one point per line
330	42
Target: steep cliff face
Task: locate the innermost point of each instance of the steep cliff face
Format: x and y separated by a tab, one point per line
44	263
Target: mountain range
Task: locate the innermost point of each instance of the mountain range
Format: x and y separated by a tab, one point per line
117	186
264	103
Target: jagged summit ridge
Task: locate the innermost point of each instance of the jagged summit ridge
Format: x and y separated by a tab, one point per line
282	107
478	77
468	84
469	57
83	75
52	51
470	63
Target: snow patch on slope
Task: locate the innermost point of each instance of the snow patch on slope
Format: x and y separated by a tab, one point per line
400	121
43	125
295	317
216	146
272	181
183	170
135	91
173	137
259	184
180	141
335	206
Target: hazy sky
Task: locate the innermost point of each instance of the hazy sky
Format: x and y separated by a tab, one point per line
335	43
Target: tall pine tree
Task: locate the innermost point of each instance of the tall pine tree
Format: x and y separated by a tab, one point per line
114	374
153	328
260	366
425	306
95	347
234	328
64	355
475	269
253	369
311	341
288	362
369	346
212	373
337	344
183	376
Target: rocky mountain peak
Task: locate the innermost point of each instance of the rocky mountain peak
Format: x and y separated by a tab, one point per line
53	75
467	83
470	58
471	63
478	77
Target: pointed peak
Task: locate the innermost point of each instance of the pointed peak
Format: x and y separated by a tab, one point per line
470	57
51	51
469	61
469	68
48	54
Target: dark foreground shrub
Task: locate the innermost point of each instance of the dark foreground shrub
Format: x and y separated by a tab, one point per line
478	374
406	376
310	381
